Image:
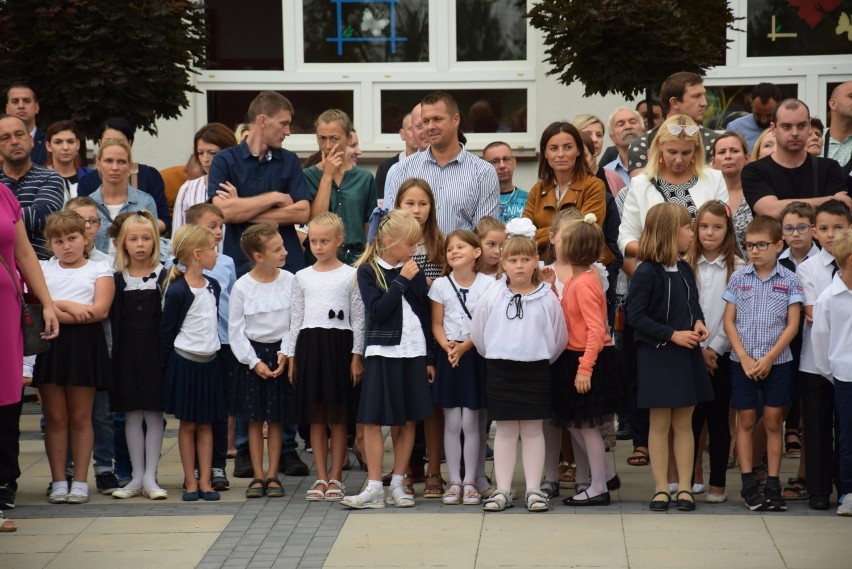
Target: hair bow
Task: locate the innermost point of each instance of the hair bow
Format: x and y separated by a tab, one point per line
375	217
520	226
180	266
590	218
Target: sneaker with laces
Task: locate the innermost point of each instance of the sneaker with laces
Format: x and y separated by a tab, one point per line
753	498
106	483
7	497
774	501
219	480
845	507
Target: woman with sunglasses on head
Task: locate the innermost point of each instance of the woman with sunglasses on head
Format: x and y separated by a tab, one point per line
730	155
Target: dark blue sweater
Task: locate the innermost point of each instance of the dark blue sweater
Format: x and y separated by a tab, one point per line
179	298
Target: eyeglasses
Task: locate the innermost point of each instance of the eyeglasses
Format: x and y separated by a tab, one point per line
498	161
760	245
92	221
801	228
689	129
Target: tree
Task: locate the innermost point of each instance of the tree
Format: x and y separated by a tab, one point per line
627	47
89	60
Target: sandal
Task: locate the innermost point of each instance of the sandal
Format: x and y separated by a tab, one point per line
7	525
314	494
408	485
453	495
256	491
471	496
639	457
433	489
660	505
274	488
797	490
334	494
498	501
550	488
567	473
793	449
536	501
398	498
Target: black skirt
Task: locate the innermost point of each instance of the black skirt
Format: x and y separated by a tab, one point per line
194	391
323	382
394	391
78	357
256	399
461	386
517	391
595	407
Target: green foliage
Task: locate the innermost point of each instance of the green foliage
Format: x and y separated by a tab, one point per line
629	46
92	59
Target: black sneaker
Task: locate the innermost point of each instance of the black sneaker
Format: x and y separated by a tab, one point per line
292	465
7	497
753	498
219	480
242	465
107	483
774	501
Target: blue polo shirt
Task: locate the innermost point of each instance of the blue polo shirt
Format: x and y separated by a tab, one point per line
278	171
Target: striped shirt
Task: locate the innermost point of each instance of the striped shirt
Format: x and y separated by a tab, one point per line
41	191
762	306
466	188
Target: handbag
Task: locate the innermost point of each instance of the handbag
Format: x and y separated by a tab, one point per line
32	319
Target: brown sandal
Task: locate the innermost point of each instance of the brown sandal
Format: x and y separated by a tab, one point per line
433	489
639	457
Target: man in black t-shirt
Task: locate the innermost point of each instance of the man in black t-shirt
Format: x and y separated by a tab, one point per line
790	173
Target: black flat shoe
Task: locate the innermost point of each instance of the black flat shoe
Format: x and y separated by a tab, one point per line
613	483
660	505
685	505
599	500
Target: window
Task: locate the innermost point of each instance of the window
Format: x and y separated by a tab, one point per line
728	102
784	29
499	33
229	107
239	38
481	110
347	31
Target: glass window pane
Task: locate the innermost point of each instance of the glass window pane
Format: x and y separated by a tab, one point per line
230	107
239	38
728	102
782	29
481	110
500	33
347	31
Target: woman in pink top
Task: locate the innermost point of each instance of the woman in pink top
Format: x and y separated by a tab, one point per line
586	390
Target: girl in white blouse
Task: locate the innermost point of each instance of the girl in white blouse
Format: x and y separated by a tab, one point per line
326	342
258	328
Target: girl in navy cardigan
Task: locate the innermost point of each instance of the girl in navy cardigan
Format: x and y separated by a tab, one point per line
398	365
193	385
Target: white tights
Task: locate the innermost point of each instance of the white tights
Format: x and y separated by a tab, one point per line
144	448
590	454
506	452
456	420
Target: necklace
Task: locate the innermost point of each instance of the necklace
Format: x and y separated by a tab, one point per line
560	192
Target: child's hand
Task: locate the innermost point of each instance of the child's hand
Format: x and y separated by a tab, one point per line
703	332
448	346
548	275
711	360
747	363
409	269
686	338
282	361
430	373
79	312
582	383
458	350
356	368
262	370
761	368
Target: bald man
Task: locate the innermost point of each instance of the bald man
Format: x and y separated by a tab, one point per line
838	139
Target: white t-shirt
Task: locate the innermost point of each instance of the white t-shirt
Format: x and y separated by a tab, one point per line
76	285
456	322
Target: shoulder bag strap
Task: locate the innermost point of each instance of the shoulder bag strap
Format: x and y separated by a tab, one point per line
14	280
458	295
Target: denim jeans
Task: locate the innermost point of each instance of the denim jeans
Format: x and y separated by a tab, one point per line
288	443
104	448
123	468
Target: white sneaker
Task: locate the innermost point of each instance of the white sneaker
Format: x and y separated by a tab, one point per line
699	488
845	507
715	498
79	493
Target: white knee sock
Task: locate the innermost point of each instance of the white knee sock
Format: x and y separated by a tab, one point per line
596	453
581	459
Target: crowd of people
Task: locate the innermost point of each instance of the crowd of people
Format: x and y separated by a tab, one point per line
684	286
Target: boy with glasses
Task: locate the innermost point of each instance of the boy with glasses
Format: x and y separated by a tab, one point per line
797	222
761	318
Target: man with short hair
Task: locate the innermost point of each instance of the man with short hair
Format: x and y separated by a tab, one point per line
625	126
512	198
838	139
407	135
790	174
21	102
39	190
657	112
465	186
682	93
764	100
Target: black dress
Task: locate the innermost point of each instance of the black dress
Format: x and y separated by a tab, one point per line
672	376
138	371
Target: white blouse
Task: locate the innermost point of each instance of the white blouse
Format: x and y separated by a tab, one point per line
260	312
712	280
198	333
327	299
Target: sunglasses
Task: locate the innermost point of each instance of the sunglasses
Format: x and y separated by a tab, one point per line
689	129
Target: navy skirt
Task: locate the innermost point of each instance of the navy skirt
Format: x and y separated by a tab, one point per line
194	391
461	386
256	399
394	391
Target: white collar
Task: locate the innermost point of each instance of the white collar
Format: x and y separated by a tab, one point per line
826	257
385	265
838	286
719	260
